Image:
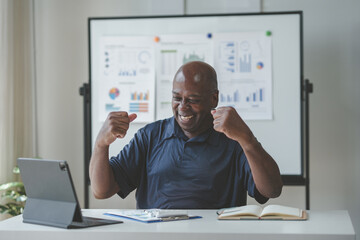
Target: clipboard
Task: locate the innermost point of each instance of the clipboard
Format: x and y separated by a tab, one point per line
152	215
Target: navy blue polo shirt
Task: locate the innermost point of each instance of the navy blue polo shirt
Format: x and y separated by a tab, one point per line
169	170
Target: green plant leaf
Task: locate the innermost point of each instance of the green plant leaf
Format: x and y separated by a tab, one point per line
21	198
9	185
3	208
16	170
13	196
12	208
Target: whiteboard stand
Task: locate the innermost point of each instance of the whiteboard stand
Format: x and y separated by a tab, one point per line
85	92
308	88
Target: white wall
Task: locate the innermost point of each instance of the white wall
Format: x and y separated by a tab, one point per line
331	62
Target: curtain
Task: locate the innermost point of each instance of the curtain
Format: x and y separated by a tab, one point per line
6	90
17	126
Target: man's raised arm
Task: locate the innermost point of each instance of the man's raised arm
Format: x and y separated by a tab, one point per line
264	169
103	183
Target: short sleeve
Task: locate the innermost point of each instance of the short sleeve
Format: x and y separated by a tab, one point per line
129	164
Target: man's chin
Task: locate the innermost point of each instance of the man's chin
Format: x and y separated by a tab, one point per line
186	125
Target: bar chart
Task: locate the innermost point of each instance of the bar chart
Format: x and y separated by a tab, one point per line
256	96
109	107
127	73
245	63
243	96
139	96
227	56
230	98
138	107
169	62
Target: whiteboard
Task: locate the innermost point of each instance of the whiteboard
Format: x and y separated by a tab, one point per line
281	134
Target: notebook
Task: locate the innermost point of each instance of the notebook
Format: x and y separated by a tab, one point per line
52	199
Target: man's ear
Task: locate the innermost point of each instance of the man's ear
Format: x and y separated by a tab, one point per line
215	99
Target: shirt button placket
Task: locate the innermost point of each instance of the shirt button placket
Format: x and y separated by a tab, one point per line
183	152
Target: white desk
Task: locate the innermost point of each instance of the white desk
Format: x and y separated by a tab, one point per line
325	225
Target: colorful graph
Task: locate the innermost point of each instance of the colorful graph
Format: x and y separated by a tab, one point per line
114	93
138	107
139	96
260	65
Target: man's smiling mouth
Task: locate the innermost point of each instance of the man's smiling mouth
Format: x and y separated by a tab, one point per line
186	118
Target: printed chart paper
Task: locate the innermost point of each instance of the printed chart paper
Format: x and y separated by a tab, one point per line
172	52
127	77
131	66
244	68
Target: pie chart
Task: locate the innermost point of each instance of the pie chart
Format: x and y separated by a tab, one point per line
259	65
114	93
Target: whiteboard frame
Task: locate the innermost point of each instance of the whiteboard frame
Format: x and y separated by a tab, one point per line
288	179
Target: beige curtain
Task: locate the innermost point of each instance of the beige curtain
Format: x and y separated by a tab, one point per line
6	90
17	128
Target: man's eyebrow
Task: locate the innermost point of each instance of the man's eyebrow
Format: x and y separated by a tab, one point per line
195	95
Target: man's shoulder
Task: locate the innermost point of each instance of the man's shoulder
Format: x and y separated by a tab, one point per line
158	124
159	127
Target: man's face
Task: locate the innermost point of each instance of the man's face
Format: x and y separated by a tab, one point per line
192	102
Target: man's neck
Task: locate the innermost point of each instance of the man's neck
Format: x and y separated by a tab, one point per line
197	133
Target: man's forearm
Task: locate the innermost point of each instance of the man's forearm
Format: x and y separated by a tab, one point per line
264	169
103	183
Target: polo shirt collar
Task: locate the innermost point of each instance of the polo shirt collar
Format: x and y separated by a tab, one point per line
173	130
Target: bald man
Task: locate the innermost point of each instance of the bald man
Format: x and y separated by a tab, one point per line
202	157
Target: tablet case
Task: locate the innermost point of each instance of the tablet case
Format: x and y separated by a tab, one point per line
51	197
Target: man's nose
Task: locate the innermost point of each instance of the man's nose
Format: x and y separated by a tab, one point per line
184	104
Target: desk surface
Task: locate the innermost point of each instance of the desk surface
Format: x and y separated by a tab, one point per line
320	225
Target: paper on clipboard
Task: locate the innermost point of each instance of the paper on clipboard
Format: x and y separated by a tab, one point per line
152	215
